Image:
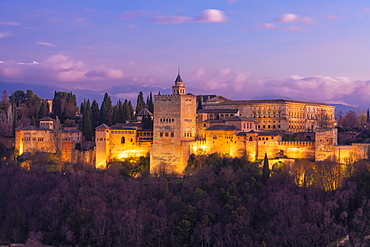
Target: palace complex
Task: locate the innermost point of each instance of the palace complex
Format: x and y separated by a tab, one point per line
185	124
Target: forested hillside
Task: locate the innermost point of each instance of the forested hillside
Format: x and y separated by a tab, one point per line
226	202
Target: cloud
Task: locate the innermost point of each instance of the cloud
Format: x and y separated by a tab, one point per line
331	17
269	26
79	19
171	19
208	15
10	23
224	72
32	63
4	35
232	1
307	20
60	68
327	89
212	15
225	80
293	18
45	44
287	18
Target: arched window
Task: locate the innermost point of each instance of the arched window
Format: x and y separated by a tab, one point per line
123	140
250	139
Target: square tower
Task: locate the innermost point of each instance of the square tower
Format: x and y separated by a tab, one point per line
174	130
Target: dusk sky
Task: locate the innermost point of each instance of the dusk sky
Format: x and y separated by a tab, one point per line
317	50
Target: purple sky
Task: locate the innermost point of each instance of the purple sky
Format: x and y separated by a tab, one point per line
317	50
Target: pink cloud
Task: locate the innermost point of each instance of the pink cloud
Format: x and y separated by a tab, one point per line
10	23
287	18
171	19
60	68
212	15
331	17
79	19
292	18
4	35
45	44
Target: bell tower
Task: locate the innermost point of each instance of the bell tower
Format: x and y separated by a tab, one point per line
179	86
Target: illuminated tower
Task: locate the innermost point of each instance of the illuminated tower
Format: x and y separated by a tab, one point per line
174	130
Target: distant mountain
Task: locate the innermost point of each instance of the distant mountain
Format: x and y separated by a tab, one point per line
121	91
344	108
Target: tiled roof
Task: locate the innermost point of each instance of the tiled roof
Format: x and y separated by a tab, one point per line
218	111
244	102
46	119
240	118
267	134
223	127
103	126
143	112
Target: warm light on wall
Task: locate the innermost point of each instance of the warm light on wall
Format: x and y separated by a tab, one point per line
128	154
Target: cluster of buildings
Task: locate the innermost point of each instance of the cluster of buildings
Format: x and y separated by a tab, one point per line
235	128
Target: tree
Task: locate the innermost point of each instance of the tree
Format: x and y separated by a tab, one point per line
131	110
5	97
349	121
64	105
87	128
43	110
147	122
106	110
95	114
150	103
265	168
140	104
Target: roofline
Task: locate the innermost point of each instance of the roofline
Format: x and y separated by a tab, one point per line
240	102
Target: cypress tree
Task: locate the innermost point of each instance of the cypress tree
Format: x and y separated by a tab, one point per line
131	111
147	122
106	110
43	111
120	113
95	113
265	169
86	122
15	118
140	103
126	111
150	103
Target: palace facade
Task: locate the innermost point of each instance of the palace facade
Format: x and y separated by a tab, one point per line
234	128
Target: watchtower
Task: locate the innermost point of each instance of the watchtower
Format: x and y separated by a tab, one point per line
174	130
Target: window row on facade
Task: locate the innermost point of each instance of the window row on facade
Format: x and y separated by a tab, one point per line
123	132
166	134
28	139
167	120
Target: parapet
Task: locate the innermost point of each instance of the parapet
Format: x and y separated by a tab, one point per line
166	97
296	143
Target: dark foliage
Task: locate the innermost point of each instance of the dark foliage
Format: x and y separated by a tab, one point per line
225	202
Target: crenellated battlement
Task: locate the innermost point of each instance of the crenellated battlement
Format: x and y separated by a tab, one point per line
296	143
166	97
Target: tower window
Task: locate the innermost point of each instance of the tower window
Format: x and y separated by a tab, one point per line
123	140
